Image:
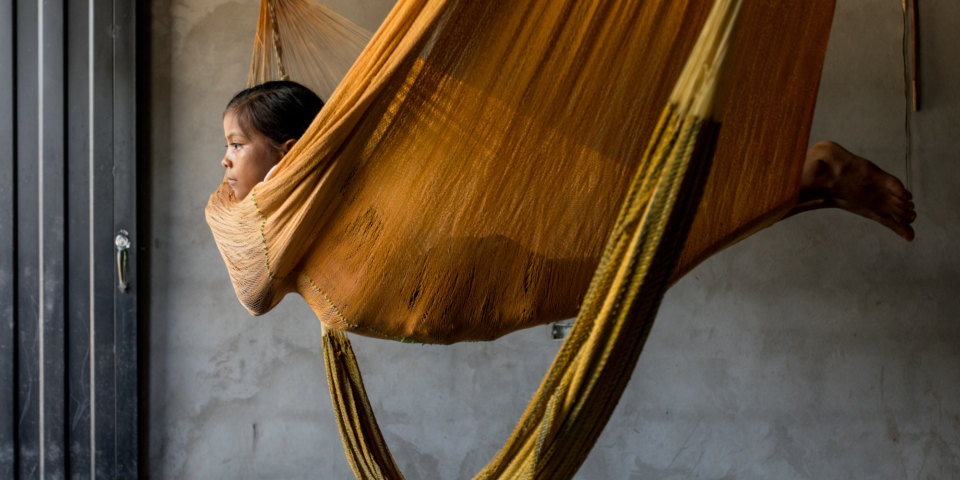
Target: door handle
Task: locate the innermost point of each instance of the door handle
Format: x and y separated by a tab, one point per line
122	243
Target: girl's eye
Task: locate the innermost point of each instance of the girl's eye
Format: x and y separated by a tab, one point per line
235	146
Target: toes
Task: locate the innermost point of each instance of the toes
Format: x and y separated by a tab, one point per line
909	216
902	193
905	210
900	209
895	186
900	228
907	233
895	189
905	218
887	181
903	213
897	220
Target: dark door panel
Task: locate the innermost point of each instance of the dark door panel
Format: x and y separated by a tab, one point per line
68	143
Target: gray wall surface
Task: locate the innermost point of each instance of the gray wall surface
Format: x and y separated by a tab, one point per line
824	347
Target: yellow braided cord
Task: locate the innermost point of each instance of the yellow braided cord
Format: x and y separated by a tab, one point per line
363	442
588	376
277	48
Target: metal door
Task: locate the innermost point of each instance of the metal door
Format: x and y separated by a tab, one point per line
68	157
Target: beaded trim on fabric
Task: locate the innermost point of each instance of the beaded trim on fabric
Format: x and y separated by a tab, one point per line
353	326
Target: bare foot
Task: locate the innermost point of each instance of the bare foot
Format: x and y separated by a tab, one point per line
834	177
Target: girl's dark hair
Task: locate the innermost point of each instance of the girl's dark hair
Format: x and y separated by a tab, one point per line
280	110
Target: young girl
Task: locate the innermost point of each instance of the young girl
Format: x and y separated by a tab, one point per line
261	124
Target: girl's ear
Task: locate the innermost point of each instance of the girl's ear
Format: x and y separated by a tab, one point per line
286	146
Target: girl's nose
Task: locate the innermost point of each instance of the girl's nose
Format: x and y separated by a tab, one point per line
225	162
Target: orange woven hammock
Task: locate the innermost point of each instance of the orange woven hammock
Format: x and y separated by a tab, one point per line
462	179
465	176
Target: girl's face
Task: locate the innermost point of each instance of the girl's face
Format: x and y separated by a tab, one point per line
249	156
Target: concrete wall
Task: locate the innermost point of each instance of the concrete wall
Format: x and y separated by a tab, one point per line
822	348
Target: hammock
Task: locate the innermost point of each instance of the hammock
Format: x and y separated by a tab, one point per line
457	187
